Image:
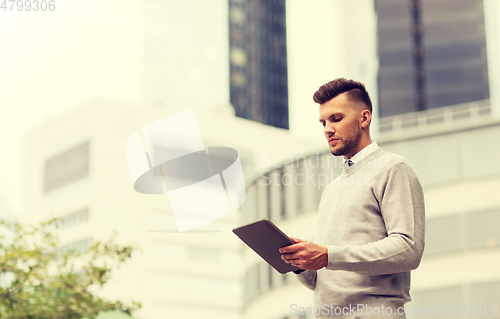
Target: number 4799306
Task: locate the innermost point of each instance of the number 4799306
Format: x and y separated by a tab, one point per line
28	5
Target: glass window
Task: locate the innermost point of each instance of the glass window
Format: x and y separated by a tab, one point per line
485	293
483	229
275	195
203	253
237	15
263	277
282	194
277	277
237	35
238	78
249	208
262	205
270	271
288	180
67	167
81	246
284	277
238	57
253	281
74	218
442	234
299	186
310	187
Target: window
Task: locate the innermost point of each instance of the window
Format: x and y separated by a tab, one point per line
459	232
203	253
238	78
291	189
250	207
299	185
282	193
67	167
262	199
74	218
238	57
80	246
237	15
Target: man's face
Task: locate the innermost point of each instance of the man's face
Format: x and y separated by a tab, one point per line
341	121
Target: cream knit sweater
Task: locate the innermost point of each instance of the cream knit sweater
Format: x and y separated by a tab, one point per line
371	218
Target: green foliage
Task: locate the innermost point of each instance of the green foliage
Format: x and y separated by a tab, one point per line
39	281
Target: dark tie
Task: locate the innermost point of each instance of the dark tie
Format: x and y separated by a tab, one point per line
350	163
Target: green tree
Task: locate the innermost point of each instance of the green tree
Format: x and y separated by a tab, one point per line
39	280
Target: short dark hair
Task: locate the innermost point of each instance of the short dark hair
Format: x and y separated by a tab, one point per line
356	91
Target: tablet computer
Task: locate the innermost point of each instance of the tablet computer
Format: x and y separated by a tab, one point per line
265	238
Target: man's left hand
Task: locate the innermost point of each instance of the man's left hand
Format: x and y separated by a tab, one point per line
305	255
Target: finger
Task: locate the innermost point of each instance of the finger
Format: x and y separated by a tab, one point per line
297	240
289	257
289	249
288	261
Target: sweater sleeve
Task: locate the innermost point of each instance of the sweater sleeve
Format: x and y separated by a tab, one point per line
307	278
401	204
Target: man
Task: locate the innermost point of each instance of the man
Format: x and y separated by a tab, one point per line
371	218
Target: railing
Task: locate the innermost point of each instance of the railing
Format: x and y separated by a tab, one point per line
444	116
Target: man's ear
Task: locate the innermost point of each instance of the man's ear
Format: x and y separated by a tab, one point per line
366	118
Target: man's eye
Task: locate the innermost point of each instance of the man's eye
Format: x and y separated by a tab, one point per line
337	119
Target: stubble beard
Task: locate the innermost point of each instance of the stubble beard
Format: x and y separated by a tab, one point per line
349	143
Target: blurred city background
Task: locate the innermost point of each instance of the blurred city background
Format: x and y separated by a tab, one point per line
76	82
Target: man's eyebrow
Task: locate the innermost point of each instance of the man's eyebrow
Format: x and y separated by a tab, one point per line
333	115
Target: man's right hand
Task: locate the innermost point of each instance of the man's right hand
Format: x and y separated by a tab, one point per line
305	255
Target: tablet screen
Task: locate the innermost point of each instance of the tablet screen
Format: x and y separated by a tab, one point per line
265	238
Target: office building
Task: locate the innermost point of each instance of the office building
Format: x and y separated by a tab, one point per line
235	54
258	61
432	54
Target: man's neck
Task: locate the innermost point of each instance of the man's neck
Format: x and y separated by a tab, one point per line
364	142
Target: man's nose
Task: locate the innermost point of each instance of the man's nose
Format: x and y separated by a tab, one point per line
329	129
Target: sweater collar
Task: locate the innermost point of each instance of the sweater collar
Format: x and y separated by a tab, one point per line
362	155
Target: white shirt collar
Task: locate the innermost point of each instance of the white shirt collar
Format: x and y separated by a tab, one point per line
361	155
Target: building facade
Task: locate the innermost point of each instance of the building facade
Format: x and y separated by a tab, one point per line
258	61
432	54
